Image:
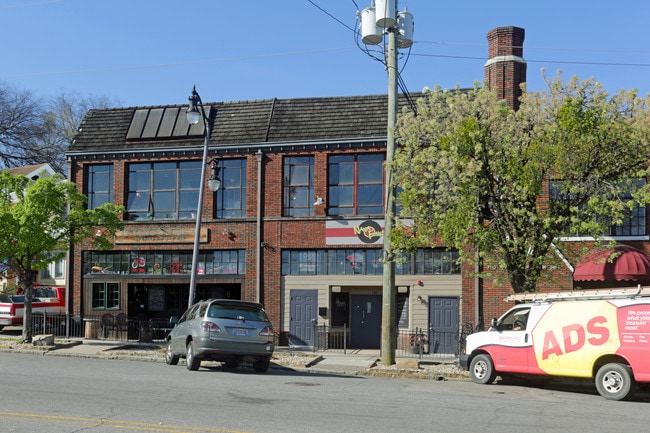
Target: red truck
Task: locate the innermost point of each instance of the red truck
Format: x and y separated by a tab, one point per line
49	300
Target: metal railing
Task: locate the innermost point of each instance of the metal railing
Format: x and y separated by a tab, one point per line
419	342
100	327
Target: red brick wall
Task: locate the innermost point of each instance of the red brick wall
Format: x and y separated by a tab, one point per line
506	75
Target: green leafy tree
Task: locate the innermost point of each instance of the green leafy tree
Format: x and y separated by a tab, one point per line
475	174
39	220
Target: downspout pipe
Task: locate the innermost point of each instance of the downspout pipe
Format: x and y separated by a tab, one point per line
258	229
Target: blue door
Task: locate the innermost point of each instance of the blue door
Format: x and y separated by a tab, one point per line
443	325
365	323
304	310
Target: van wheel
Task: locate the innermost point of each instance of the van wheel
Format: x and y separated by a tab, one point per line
614	381
481	370
192	361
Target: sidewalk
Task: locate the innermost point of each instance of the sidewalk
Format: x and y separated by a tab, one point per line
353	362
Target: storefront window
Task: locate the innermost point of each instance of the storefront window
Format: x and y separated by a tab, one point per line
368	262
164	262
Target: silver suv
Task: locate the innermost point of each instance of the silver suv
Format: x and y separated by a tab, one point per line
224	330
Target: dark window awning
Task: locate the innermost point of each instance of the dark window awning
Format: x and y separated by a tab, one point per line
621	263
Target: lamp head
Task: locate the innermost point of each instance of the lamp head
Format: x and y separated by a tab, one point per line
214	183
193	114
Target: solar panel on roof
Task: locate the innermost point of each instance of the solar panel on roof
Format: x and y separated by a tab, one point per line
160	123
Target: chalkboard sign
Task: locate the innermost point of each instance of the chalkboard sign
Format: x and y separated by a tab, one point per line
156	299
402	310
340	309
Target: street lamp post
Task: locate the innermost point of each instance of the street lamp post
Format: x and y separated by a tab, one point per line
195	113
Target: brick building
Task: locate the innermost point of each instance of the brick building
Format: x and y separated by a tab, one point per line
296	224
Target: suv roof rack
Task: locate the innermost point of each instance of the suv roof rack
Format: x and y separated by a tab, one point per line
579	295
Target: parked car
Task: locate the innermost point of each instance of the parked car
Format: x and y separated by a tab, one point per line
223	330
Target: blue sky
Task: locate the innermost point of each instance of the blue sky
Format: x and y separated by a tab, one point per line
151	52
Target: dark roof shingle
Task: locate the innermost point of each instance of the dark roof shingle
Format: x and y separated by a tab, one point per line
246	123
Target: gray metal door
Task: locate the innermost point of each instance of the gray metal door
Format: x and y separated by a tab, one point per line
304	309
365	323
443	325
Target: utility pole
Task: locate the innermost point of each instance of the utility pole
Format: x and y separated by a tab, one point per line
388	331
377	21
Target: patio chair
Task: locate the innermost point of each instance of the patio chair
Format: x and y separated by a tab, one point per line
122	326
108	324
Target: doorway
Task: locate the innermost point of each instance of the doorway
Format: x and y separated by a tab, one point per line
443	325
365	322
304	308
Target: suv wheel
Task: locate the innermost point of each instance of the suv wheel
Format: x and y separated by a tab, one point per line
231	363
192	361
262	365
170	358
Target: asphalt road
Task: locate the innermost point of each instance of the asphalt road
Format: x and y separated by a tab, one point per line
59	394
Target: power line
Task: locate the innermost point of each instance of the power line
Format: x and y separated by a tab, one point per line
567	62
527	47
533	47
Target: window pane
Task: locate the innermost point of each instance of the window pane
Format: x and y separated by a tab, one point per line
370	195
99	300
298	189
164	179
138	201
100	185
371	173
164	204
190	175
189	200
140	180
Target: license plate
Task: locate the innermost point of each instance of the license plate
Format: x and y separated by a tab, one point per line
242	332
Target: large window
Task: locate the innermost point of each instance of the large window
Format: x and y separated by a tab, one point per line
437	261
105	296
231	196
298	197
231	262
99	185
356	184
163	190
634	220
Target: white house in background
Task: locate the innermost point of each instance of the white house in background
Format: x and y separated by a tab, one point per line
54	275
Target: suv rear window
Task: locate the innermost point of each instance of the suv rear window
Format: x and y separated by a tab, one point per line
241	312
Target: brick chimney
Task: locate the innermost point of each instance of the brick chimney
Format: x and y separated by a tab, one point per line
505	69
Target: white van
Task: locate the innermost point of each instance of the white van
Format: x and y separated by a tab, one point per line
598	334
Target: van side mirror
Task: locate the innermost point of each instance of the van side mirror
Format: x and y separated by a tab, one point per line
495	324
173	320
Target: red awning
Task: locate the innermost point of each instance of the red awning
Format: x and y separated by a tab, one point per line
629	264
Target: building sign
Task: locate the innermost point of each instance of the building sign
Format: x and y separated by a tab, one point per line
354	232
159	235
